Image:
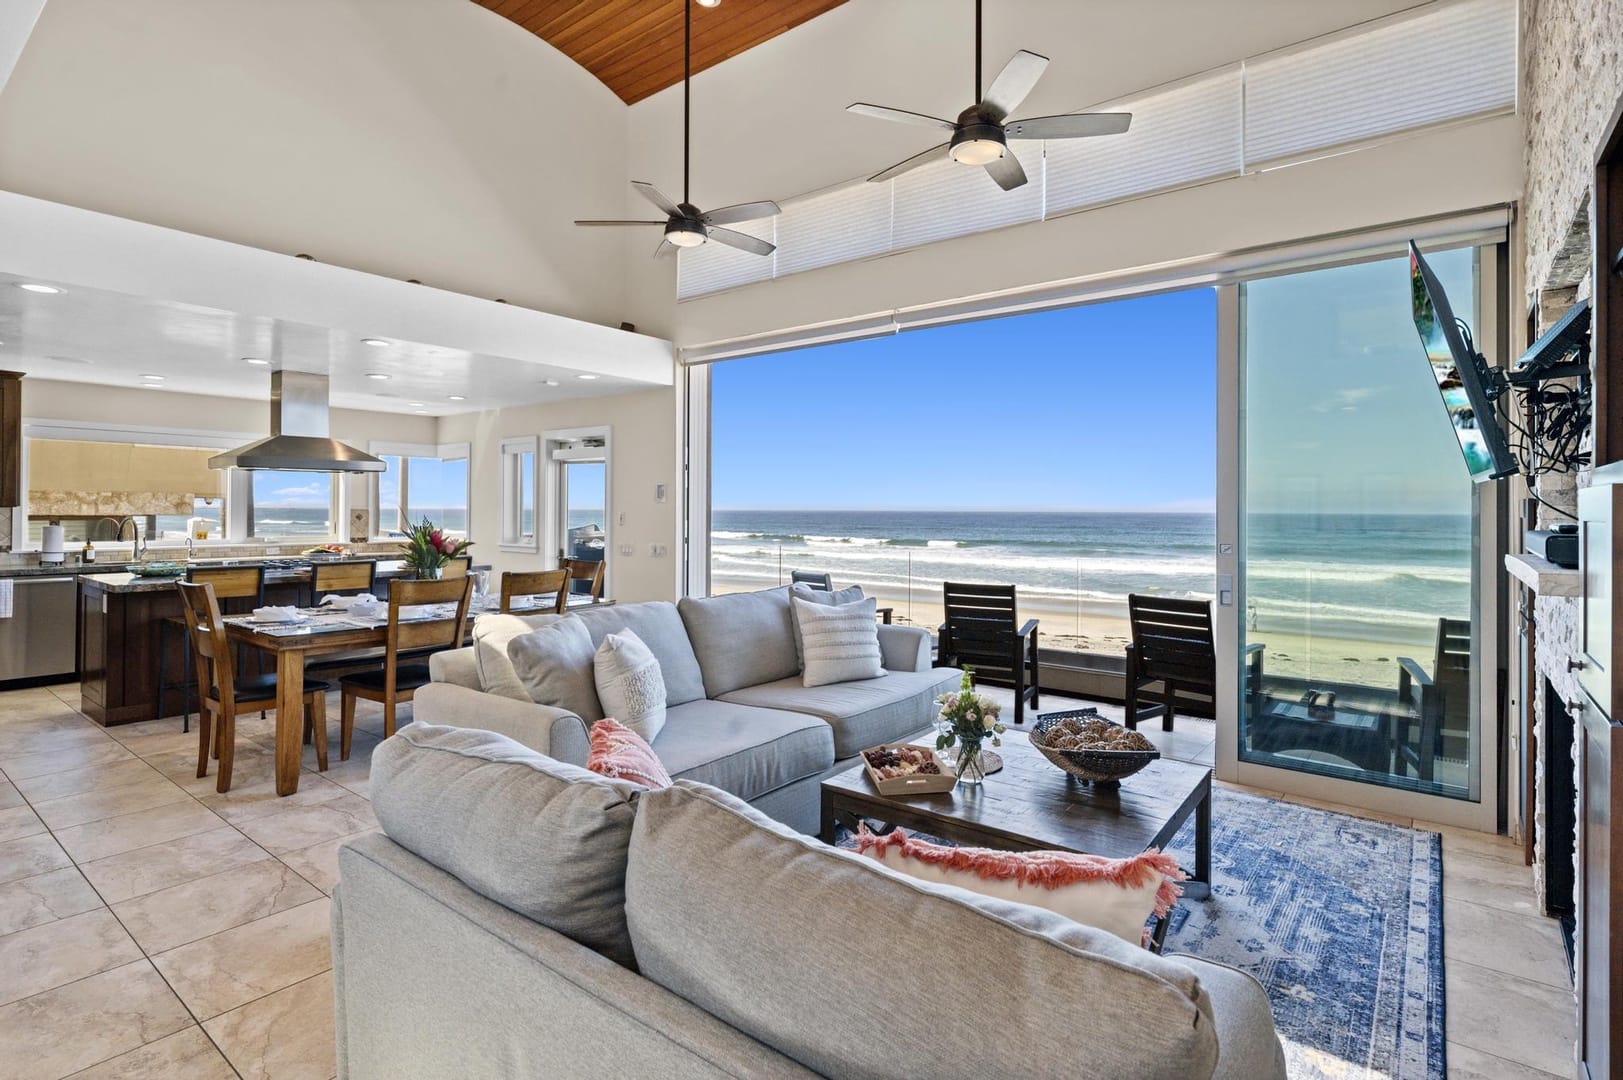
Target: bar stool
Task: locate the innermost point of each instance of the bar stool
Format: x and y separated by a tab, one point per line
517	583
242	588
221	694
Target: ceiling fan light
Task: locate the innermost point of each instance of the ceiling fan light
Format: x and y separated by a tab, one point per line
977	151
684	235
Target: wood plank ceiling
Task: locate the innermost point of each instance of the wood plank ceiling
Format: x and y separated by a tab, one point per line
635	46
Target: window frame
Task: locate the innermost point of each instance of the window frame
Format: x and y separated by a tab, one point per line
239	507
405	452
554	493
513	538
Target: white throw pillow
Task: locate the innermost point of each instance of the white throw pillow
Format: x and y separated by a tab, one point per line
491	633
1117	895
801	591
555	665
629	684
840	643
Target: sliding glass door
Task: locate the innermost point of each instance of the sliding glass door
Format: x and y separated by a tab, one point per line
1357	640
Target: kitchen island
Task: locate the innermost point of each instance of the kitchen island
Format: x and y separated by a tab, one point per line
129	645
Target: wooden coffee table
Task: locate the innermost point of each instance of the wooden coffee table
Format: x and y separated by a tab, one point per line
1031	805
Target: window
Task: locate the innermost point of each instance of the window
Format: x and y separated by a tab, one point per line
419	482
207	514
291	505
579	501
519	494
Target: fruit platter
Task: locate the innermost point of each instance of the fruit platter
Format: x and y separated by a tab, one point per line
907	770
326	551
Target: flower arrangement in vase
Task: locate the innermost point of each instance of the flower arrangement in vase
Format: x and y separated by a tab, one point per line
428	549
968	719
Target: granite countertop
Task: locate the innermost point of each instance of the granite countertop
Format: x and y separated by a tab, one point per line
122	582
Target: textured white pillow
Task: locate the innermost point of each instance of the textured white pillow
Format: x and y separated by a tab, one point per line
801	591
491	633
840	642
629	684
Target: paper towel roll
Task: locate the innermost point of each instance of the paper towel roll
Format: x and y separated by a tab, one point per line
50	544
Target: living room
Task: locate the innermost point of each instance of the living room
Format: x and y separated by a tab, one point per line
625	500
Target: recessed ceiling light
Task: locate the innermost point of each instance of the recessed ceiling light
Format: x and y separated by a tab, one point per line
456	397
153	378
586	377
376	375
148	386
422	412
549	382
709	3
35	287
375	342
415	404
255	361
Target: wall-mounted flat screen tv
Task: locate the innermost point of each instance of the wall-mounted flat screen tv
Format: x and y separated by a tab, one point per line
1462	376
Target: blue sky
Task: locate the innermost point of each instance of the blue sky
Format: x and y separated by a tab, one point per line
1100	408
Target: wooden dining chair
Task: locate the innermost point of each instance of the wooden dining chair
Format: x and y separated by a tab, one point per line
342	579
458	567
587	571
516	583
237	589
222	694
397	683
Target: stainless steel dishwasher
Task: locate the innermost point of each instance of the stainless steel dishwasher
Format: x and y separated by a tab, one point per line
38	640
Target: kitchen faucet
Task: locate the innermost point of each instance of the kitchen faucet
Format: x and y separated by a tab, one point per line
137	548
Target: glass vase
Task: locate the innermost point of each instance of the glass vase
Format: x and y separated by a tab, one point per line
428	573
970	769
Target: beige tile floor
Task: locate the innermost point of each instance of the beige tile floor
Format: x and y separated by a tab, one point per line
150	927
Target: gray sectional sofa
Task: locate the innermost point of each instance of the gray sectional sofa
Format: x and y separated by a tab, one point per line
519	916
737	716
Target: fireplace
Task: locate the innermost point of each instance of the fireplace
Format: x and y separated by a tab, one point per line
1560	837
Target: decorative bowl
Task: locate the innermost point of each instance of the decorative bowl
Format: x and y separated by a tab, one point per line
157	569
1098	766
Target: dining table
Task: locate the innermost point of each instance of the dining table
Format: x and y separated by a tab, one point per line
323	631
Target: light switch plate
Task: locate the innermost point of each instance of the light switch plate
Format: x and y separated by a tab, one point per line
627	549
659	493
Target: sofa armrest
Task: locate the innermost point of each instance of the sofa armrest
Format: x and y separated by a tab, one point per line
1247	1041
904	648
455	666
559	734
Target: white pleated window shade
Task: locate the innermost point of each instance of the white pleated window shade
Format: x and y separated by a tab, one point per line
1178	136
713	266
1456	61
848	223
947	199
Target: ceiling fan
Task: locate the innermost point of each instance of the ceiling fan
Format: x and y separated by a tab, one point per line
980	134
686	226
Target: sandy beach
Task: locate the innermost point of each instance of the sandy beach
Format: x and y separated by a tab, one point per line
1327	659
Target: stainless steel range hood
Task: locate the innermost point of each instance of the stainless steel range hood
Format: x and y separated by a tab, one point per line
299	440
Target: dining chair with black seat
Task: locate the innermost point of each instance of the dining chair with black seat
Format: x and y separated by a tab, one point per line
237	589
585	577
396	683
457	567
342	579
537	583
222	693
980	634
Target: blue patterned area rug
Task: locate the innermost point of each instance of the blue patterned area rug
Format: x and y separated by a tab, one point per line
1341	919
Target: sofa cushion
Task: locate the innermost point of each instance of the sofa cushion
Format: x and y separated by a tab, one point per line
629	686
491	633
661	629
838	642
533	834
894	706
741	639
853	970
743	750
801	591
555	665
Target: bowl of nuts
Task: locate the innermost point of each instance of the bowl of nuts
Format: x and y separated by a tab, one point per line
1089	747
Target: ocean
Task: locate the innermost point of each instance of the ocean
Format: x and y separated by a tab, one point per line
1359	577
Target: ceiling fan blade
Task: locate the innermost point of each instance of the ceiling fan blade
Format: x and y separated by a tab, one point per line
742	241
665	249
935	153
1006	171
1013	83
885	112
602	222
655	196
1068	126
746	211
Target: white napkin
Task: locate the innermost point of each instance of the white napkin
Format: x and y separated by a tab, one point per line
277	615
371	609
345	603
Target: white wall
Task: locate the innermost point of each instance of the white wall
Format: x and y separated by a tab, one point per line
426	139
644	436
771	124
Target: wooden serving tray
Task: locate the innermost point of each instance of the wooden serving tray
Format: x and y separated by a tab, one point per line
916	784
